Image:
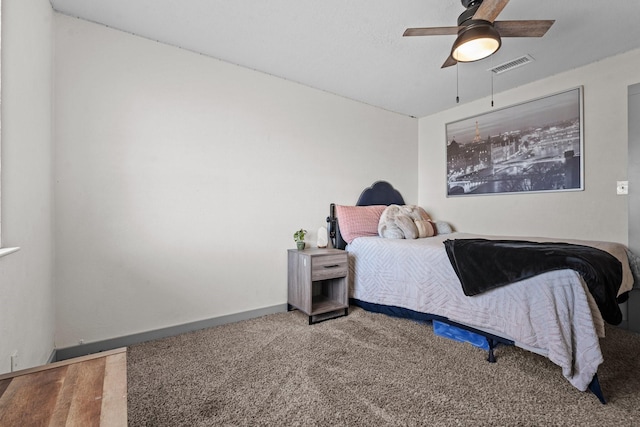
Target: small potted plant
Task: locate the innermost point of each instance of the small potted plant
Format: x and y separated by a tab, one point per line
298	236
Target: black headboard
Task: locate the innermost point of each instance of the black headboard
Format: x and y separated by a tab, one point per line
380	193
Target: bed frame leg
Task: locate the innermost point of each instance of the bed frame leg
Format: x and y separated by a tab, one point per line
492	344
594	387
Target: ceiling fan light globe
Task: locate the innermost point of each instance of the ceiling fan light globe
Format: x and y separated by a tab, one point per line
475	50
475	43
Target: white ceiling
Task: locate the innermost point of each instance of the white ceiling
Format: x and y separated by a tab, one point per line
355	48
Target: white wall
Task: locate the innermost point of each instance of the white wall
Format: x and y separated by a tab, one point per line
596	213
180	179
26	294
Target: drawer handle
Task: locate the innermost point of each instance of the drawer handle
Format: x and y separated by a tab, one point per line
332	266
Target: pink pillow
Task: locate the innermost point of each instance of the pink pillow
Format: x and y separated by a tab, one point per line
358	221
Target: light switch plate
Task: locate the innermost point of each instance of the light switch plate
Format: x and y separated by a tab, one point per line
622	187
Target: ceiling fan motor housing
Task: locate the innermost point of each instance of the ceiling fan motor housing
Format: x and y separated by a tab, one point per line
468	14
469	3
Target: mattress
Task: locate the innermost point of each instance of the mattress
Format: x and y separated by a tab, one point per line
551	314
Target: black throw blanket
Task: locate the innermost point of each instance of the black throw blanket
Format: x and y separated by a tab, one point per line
483	264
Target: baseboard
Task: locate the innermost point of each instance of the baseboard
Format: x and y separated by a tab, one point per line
52	356
125	341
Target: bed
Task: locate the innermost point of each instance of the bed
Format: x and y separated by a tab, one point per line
552	313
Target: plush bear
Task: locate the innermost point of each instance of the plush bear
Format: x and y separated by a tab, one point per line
405	222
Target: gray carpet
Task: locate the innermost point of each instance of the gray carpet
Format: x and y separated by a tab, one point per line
365	369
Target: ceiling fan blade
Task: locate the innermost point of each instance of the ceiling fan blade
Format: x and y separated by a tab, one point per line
534	28
449	62
490	9
431	31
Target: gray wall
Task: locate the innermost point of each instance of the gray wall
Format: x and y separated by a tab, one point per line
634	197
634	168
26	285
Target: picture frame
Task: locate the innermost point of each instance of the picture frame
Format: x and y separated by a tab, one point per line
531	147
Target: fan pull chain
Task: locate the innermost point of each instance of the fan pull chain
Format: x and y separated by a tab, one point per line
457	89
492	73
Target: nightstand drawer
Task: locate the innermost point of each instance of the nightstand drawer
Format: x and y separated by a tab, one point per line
329	266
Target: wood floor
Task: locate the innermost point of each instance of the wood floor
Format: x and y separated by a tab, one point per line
85	391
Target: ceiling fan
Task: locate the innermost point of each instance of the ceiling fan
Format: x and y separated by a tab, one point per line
479	34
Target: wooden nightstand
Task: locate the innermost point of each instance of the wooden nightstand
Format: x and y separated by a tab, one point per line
317	283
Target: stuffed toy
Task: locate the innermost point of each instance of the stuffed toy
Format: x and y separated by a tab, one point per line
405	222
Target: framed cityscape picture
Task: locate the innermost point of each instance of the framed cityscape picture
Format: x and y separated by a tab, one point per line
535	146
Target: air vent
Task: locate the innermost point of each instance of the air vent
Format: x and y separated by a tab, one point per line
515	63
